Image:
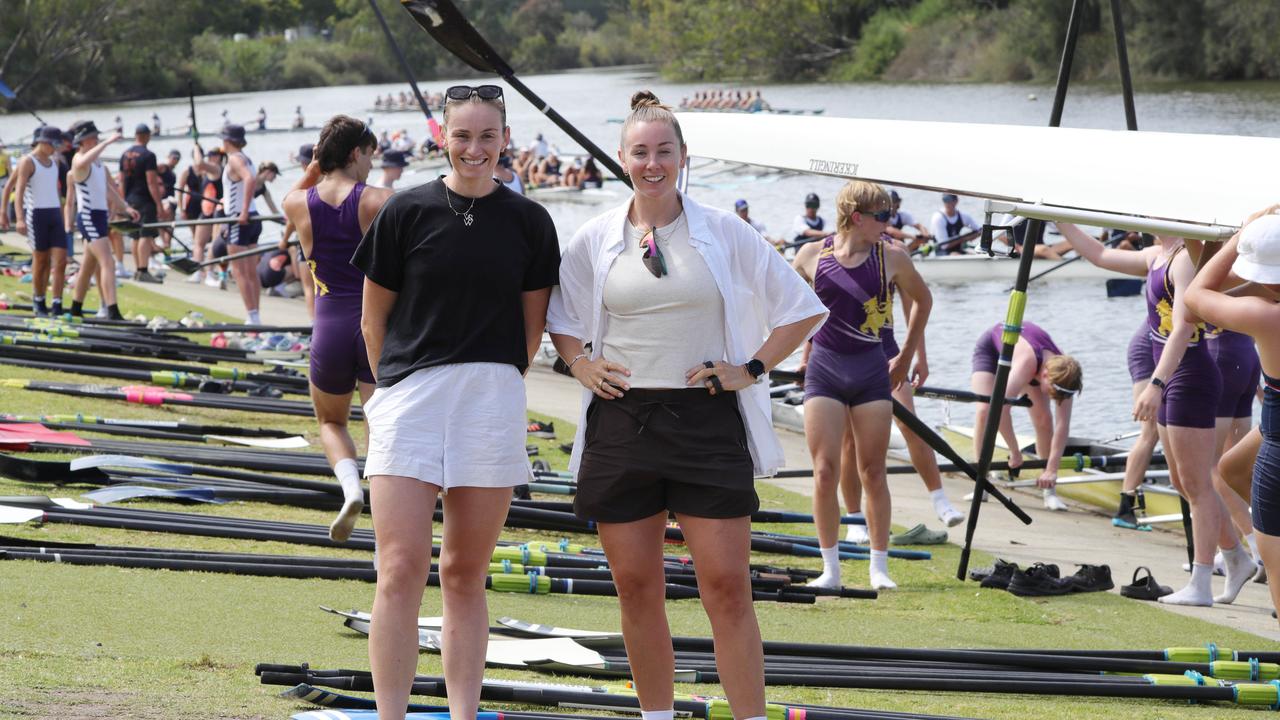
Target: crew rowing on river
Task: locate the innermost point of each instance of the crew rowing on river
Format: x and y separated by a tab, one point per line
748	101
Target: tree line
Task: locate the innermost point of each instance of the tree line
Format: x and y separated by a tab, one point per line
58	52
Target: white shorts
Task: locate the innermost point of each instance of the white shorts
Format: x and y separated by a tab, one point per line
460	425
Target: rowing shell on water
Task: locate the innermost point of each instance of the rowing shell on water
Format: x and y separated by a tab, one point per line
1044	172
572	194
247	131
946	269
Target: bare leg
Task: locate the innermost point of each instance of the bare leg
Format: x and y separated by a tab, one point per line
39	272
1236	465
58	259
824	428
925	462
721	551
1140	457
403	510
332	412
635	550
871	422
1192	450
473	519
245	272
1229	432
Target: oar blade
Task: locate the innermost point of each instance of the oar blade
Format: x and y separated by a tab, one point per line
184	265
444	22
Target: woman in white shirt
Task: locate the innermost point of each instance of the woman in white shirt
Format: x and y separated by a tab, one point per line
684	308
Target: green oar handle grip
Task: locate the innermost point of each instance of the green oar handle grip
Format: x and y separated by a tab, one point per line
226	373
1247	670
719	710
1259	694
1207	654
528	584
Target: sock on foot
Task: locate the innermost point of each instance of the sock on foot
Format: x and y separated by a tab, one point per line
1197	592
348	474
56	307
880	571
113	312
254	318
1239	569
944	510
77	308
657	714
830	577
1251	541
856	534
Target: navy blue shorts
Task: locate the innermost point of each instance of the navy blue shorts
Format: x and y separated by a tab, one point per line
45	229
93	225
246	234
852	379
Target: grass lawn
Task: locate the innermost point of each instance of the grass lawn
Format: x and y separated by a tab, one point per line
108	642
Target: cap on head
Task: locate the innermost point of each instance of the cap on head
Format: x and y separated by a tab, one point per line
811	200
1259	251
142	129
175	153
950	198
49	134
82	131
740	205
306	153
234	133
394	159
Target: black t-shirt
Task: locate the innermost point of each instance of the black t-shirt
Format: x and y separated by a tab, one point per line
167	182
459	286
134	165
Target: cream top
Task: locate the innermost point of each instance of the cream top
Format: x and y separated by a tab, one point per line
659	327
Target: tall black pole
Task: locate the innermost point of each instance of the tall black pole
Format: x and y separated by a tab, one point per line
1122	59
408	73
1017	305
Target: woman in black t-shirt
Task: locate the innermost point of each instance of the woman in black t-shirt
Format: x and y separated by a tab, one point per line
458	275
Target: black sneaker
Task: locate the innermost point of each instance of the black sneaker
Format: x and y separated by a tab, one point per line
1092	578
56	308
541	429
1040	580
40	309
999	576
143	276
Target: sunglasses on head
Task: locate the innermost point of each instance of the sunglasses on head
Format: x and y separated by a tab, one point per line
464	92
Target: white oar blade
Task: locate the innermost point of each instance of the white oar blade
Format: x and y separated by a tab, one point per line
10	515
285	443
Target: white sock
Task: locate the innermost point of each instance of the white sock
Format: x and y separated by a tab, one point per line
254	318
856	534
880	571
1239	568
1197	592
830	577
939	497
348	474
1251	542
657	714
758	717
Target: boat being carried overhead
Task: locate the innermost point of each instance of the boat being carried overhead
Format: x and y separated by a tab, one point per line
1044	173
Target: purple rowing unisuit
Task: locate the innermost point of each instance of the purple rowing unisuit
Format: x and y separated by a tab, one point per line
859	298
338	356
1191	395
986	352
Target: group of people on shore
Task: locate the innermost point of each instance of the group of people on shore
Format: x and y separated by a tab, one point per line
63	186
405	101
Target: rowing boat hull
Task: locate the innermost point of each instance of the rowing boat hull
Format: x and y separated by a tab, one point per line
947	269
1056	167
247	131
1103	495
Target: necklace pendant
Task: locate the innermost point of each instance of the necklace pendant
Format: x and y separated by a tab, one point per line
467	219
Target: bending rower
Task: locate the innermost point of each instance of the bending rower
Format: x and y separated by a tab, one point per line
1042	371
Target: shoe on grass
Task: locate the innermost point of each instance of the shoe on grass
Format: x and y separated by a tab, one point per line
919	535
1040	580
1145	587
541	430
981	574
1092	578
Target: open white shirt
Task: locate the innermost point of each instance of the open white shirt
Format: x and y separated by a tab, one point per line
760	292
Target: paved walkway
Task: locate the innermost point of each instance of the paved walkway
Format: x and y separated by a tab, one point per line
1079	536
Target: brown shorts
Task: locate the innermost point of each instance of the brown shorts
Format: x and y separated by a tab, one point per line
683	451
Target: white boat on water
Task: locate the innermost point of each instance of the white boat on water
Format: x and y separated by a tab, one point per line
979	267
588	196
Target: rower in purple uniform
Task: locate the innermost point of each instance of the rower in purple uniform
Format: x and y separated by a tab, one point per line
1044	373
331	208
847	380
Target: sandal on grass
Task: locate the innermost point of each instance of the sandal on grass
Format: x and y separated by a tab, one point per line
1146	588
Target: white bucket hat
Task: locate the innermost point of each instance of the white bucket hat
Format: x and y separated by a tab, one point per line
1259	251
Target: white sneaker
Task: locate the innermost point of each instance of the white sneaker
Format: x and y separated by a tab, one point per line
1053	502
196	277
122	273
212	279
102	312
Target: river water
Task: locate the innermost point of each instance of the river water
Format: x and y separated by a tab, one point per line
1082	320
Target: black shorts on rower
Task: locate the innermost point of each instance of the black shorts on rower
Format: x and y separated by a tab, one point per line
652	451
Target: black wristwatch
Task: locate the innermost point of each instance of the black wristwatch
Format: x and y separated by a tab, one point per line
755	368
1158	383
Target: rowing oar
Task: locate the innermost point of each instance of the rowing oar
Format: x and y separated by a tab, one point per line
165	378
72	357
432	125
924	391
159	396
196	429
444	22
129	226
575	697
1074	462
